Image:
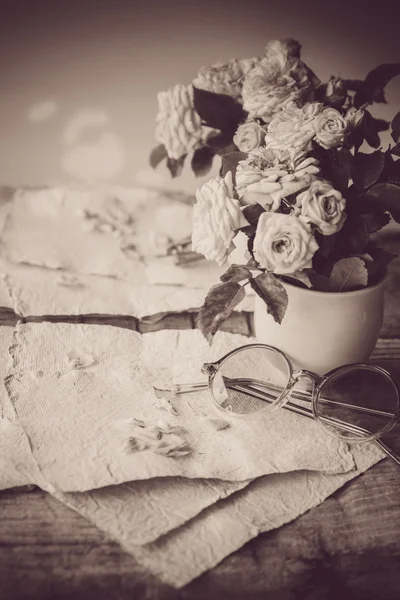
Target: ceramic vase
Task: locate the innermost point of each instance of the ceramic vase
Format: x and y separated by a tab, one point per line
324	330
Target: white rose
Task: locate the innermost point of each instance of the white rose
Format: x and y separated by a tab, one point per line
292	127
330	128
224	78
323	206
178	124
277	80
284	49
283	244
267	176
249	135
216	217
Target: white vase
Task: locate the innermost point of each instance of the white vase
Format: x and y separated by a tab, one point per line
324	330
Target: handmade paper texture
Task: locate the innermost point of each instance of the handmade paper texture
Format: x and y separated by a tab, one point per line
185	553
90	232
17	466
70	415
37	291
75	251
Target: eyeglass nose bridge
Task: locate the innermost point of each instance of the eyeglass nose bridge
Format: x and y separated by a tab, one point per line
314	378
210	368
304	374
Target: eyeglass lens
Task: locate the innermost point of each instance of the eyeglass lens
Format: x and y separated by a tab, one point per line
250	380
357	403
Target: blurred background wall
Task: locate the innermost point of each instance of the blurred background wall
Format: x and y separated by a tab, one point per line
79	79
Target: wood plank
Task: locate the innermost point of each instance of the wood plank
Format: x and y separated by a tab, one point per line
349	543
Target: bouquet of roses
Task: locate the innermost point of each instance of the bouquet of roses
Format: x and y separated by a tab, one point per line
294	189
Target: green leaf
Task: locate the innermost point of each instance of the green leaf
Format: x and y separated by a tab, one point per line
252	212
218	305
375	220
322	264
157	155
335	166
348	274
367	168
221	142
353	84
357	135
270	289
387	195
202	161
319	282
218	111
298	277
236	273
396	150
381	256
353	237
391	171
374	84
371	130
230	162
396	127
176	166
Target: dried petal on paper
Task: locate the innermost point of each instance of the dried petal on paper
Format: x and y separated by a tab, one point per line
68	415
47	228
185	553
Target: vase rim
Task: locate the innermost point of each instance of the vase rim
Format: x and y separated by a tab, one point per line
348	293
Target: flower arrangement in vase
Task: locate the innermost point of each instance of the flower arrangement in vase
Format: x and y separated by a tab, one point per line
293	184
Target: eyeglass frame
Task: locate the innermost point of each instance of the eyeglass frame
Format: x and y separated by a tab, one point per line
283	400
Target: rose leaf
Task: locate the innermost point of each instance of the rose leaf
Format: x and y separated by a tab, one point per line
380	256
371	130
353	84
319	282
175	166
218	111
375	220
270	289
230	162
372	88
396	128
391	171
302	277
202	161
218	305
252	212
322	264
236	273
396	149
367	168
348	274
387	195
221	142
157	155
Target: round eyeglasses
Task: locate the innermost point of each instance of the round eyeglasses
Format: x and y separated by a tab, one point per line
356	402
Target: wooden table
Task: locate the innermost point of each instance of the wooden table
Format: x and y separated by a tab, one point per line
348	547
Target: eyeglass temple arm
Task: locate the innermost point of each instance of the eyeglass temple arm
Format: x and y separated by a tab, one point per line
180	388
306	396
329	420
188	388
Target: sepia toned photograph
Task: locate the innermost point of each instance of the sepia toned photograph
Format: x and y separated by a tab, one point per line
200	300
